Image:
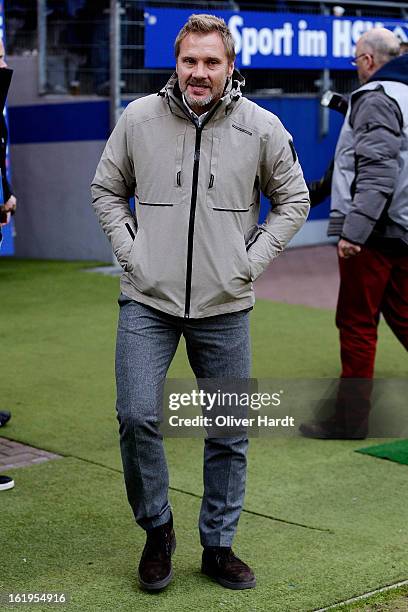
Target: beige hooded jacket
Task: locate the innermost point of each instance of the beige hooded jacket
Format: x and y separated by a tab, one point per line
194	247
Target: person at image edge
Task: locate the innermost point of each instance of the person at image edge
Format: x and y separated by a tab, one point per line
369	214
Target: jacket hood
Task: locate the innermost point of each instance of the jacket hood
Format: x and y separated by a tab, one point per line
171	91
395	70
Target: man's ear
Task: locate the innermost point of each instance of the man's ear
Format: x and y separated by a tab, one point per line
231	69
373	64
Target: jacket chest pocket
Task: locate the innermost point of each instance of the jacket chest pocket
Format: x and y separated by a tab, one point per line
233	171
159	180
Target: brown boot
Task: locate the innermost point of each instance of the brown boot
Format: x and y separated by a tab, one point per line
221	564
155	571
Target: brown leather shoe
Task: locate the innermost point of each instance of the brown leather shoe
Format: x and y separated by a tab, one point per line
221	564
155	570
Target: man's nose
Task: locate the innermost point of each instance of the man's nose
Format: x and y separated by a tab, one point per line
200	71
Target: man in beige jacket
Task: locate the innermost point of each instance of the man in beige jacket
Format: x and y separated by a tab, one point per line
196	156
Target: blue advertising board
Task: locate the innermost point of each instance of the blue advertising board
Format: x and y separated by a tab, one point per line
270	40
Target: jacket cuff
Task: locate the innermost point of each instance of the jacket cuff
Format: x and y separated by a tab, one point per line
255	269
342	236
357	228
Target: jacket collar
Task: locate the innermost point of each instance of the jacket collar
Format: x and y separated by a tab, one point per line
172	94
394	70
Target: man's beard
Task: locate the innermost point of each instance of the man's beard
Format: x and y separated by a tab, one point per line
197	102
191	101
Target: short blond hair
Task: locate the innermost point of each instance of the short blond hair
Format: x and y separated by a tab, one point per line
205	24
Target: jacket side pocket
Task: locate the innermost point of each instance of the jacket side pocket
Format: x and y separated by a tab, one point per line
130	230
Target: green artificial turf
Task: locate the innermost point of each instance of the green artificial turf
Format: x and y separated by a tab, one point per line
390	600
394	451
59	337
314	524
321	484
69	529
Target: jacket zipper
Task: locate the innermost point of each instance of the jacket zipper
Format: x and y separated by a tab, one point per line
253	240
131	232
193	205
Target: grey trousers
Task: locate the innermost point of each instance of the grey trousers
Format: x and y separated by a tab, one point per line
217	347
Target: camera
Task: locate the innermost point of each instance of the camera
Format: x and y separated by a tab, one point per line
335	101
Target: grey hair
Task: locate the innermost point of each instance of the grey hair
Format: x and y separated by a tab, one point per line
383	44
205	24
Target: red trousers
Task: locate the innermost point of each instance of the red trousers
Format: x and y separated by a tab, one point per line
371	283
